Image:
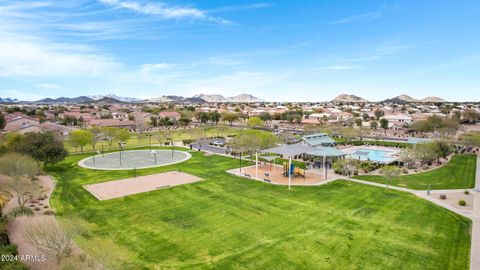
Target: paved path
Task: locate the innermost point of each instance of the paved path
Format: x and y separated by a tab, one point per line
475	249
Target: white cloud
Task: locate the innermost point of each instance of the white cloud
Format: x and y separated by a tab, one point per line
21	95
49	86
340	67
149	68
359	18
22	55
225	61
166	12
241	7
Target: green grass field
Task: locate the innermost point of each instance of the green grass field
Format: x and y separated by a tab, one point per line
227	222
457	174
140	140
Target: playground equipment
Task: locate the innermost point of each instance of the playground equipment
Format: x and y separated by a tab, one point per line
294	170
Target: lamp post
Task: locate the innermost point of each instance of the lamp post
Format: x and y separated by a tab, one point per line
149	135
240	161
120	146
154	153
104	139
94	155
171	143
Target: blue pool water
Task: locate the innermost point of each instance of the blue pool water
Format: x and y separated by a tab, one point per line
382	156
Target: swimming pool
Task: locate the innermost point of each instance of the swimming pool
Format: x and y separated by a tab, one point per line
376	155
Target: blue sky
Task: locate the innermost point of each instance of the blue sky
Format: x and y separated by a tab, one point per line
309	50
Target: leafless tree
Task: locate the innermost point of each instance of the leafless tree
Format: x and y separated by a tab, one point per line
45	233
20	168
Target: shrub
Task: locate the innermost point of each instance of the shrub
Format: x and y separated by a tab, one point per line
187	141
462	203
48	212
18	212
405	171
355	172
82	257
466	192
443	196
37	208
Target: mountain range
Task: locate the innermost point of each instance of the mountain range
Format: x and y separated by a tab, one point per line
8	100
235	99
348	98
409	99
401	99
111	98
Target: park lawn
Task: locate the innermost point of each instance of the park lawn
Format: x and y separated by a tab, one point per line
458	173
140	140
227	222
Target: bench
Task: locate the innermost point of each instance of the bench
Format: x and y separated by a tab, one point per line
267	180
247	175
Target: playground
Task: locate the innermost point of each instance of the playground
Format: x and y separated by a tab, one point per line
278	174
134	159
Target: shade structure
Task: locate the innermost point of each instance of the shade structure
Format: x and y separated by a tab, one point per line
290	150
326	151
318	140
269	158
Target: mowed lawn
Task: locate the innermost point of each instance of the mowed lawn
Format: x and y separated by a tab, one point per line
140	140
227	222
458	173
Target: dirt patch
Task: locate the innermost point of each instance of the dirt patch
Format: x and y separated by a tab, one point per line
129	186
453	198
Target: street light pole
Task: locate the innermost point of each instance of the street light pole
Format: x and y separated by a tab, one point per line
120	146
173	148
149	140
102	145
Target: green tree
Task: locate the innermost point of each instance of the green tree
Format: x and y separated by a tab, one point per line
122	135
390	172
265	116
230	117
43	147
253	140
358	122
426	152
254	122
109	135
378	114
384	125
3	121
80	138
97	135
214	117
443	149
374	124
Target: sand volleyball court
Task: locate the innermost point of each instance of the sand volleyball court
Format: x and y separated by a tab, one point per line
129	186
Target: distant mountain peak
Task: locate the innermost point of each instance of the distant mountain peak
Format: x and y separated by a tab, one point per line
237	99
113	96
348	98
402	99
433	99
8	100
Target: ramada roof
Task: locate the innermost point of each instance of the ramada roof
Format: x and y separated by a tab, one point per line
318	139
